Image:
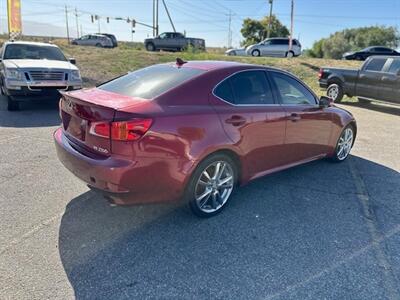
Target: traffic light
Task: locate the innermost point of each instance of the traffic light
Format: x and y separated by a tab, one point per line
108	19
96	17
133	23
92	18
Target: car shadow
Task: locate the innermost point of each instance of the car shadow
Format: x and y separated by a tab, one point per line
31	114
376	106
278	233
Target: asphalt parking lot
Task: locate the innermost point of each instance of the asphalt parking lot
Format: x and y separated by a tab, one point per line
318	231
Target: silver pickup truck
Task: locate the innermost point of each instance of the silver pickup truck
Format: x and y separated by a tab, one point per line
35	71
173	41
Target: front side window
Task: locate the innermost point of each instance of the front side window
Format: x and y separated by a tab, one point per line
291	91
395	67
150	82
376	64
22	51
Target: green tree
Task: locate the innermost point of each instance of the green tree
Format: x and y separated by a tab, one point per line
355	39
255	31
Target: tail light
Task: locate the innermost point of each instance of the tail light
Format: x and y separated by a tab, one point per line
131	130
320	73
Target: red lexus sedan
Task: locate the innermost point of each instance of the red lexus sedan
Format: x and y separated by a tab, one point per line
195	131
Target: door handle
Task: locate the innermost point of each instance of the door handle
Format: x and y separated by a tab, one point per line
236	120
294	117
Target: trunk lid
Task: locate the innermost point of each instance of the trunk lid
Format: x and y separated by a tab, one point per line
81	110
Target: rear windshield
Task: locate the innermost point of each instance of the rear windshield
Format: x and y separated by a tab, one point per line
21	51
150	82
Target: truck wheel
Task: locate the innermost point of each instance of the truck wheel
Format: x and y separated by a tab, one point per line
150	47
335	91
12	105
255	52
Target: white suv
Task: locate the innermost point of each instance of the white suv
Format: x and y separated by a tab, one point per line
275	47
30	71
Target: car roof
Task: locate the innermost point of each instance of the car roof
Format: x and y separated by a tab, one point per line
29	43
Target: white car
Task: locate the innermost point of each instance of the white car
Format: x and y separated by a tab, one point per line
234	52
34	71
275	47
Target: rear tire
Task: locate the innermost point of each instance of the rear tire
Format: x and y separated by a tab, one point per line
290	54
335	91
211	185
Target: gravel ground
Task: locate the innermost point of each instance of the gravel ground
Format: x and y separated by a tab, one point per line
318	231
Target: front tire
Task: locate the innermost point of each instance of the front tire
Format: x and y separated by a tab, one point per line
211	185
255	52
150	47
335	91
344	144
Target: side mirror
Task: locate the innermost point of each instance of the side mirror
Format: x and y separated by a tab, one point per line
72	61
325	101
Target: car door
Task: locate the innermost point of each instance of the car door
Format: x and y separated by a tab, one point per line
163	40
308	126
252	119
390	82
370	78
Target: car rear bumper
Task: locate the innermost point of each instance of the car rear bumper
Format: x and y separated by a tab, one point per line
121	181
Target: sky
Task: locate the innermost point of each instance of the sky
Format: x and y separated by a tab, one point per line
208	19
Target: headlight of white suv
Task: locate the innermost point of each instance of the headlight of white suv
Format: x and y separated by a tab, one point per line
13	74
75	75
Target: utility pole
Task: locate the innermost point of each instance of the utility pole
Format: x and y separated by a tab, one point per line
270	18
154	18
230	30
157	17
169	17
77	24
98	24
66	22
291	26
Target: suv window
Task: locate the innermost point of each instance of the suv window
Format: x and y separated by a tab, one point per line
224	91
395	67
381	49
150	82
292	91
375	64
251	87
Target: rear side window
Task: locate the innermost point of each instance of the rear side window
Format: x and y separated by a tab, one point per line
395	67
224	91
150	82
376	64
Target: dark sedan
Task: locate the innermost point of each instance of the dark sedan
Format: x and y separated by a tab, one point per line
195	131
370	51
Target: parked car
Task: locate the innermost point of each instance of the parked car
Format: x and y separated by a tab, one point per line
378	79
35	71
275	47
173	41
234	52
111	37
196	130
370	51
97	40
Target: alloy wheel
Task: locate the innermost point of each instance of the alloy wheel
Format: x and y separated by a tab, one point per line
214	186
345	143
333	92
